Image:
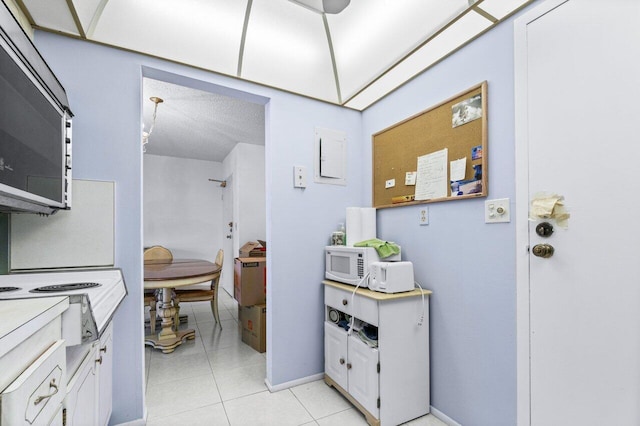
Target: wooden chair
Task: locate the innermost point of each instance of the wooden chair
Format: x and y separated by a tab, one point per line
200	293
151	296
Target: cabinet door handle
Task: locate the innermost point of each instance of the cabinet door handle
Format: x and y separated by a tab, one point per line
99	360
348	366
104	349
53	385
341	361
344	302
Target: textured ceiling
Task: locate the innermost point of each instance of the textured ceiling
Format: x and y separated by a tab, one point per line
353	58
192	123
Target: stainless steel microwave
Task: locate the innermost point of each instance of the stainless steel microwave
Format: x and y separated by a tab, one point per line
35	127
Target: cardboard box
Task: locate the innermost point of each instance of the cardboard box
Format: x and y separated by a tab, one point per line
254	249
253	320
250	280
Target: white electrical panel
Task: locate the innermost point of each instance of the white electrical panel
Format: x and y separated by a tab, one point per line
330	157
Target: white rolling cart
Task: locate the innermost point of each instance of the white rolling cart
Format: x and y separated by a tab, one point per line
388	384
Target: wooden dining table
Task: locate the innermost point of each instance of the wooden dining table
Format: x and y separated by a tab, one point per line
166	275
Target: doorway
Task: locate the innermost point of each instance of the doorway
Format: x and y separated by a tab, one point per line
201	143
199	138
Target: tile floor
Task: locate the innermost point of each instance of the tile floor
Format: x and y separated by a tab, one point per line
216	379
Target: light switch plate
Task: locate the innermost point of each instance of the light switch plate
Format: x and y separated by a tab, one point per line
497	211
299	177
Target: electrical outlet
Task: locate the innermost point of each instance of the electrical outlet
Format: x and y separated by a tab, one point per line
496	211
423	216
299	177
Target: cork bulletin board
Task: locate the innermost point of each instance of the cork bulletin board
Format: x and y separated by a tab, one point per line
443	147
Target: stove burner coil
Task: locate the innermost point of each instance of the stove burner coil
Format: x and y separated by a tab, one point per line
64	287
5	289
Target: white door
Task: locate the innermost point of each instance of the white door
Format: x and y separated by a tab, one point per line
105	376
335	354
577	97
228	228
362	366
81	401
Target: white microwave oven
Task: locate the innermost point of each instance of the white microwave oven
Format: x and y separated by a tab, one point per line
350	265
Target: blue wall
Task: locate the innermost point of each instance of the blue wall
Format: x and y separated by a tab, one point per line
469	265
104	89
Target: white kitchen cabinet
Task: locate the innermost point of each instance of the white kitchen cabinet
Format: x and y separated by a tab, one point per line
32	361
81	401
89	398
105	376
388	384
352	365
35	397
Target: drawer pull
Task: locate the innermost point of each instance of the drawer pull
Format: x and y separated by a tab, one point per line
53	385
344	302
341	361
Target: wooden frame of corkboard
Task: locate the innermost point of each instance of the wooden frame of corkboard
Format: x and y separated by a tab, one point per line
396	150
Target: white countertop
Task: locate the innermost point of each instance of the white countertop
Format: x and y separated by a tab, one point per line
20	318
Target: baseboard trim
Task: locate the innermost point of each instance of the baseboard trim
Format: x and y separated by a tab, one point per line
297	382
442	416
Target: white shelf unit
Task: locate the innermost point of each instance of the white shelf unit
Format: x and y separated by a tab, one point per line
388	384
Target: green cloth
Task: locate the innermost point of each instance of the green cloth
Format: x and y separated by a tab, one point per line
384	248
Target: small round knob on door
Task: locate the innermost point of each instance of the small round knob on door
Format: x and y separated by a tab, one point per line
341	361
544	229
543	250
344	302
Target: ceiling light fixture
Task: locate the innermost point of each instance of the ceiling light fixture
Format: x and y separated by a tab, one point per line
145	135
324	6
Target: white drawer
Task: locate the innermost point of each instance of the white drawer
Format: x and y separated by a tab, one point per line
359	306
36	395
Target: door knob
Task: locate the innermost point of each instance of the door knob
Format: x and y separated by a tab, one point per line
543	250
229	236
544	229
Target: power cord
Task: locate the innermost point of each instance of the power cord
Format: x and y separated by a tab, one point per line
421	319
353	296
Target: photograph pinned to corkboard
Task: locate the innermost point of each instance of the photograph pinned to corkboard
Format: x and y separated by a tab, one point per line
439	154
